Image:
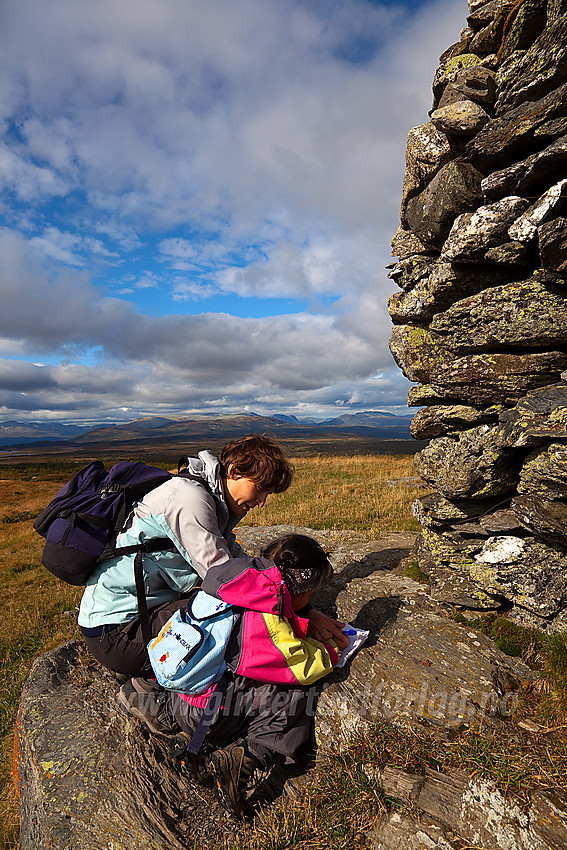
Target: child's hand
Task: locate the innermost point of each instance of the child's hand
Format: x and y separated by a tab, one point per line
324	628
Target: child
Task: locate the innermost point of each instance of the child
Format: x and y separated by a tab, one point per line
266	713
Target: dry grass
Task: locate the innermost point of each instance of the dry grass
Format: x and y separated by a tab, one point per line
368	493
344	799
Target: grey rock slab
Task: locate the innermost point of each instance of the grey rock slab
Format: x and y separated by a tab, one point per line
433	287
460	118
397	832
552	242
523	25
471	464
544	472
545	518
467	806
538	417
527	314
525	228
434	510
439	420
507	138
528	572
496	378
418	667
538	72
474	232
480	379
528	175
508	254
90	778
454	189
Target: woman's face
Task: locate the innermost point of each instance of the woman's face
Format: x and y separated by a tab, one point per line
242	494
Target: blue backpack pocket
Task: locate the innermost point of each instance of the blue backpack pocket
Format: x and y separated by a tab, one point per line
188	653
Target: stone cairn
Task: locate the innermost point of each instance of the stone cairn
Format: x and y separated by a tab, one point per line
480	323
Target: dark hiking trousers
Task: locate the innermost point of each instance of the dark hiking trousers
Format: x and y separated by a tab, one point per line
273	719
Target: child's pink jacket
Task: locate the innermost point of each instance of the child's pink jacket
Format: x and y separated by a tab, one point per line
264	646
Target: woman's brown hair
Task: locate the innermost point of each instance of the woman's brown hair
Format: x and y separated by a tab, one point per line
258	458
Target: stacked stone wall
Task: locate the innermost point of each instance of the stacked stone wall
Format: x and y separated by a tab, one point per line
480	321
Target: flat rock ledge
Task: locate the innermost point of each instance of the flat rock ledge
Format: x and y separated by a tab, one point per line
90	777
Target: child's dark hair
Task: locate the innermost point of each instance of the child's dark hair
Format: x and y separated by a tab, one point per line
303	563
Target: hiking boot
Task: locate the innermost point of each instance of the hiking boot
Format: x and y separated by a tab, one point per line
148	703
232	767
202	772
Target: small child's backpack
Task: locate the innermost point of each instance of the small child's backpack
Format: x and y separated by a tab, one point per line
188	654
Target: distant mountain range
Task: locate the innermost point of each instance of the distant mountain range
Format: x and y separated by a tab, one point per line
158	429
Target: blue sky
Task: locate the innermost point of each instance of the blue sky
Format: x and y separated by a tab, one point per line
197	201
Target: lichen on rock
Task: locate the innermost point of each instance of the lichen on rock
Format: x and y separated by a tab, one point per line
496	344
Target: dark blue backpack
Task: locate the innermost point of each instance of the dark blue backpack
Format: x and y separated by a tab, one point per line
81	523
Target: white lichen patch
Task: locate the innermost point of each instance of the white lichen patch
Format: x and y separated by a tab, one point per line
501	550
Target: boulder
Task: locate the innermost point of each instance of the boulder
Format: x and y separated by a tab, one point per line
544	472
427	150
450	71
417	351
475	84
472	464
473	233
459	118
483	379
482	13
508	138
405	244
455	189
552	243
439	420
524	314
541	415
409	272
